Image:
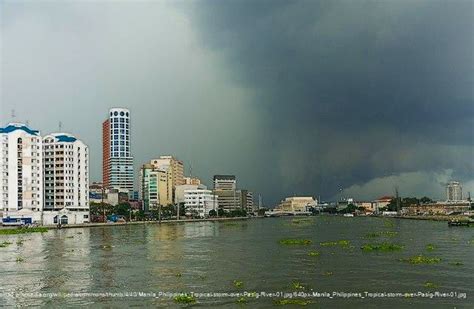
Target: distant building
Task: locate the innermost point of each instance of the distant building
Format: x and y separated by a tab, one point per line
21	172
117	159
454	191
247	201
179	191
66	180
200	202
175	169
225	182
192	181
155	186
382	202
439	208
297	204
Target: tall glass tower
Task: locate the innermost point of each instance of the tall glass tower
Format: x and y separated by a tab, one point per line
117	159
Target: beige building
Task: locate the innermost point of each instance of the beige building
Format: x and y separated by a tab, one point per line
174	166
296	204
192	181
155	186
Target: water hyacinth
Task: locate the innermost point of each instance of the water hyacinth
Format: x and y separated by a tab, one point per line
381	247
430	247
297	286
313	253
184	299
420	259
4	244
295	242
381	234
430	285
300	302
23	230
238	284
456	263
342	243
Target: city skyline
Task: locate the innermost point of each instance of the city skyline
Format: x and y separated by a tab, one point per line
288	108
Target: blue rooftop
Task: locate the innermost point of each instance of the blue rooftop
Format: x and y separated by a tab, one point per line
65	138
13	127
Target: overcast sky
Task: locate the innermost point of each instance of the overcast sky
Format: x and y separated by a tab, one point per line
293	97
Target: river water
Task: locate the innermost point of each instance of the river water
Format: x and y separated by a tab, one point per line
238	256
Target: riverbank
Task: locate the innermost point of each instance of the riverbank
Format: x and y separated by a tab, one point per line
433	218
100	224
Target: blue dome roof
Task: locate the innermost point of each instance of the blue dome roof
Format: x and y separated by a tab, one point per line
13	127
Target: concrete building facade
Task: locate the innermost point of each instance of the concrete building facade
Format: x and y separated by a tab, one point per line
21	172
297	204
200	202
453	191
66	179
174	167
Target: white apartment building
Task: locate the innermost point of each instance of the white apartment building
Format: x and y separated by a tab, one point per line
66	180
21	170
454	191
200	202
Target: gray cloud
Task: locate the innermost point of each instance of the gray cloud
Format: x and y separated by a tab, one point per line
295	97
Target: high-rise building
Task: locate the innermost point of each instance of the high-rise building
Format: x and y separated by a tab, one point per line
174	166
225	187
199	202
66	179
21	172
454	191
117	158
225	182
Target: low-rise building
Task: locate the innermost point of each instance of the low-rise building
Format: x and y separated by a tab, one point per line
200	202
439	208
296	204
179	191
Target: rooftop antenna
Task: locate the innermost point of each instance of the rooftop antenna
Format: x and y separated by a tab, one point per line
60	125
190	171
27	123
13	115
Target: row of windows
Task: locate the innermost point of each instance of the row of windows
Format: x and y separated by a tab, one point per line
116	113
119	125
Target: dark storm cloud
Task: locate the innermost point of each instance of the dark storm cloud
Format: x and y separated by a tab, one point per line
294	97
352	90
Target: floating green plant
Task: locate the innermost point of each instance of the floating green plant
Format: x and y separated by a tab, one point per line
420	259
70	237
313	253
19	242
297	286
295	242
241	300
388	223
430	285
341	243
301	302
381	247
430	247
179	275
328	273
456	263
238	284
4	244
184	299
23	230
381	234
19	259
